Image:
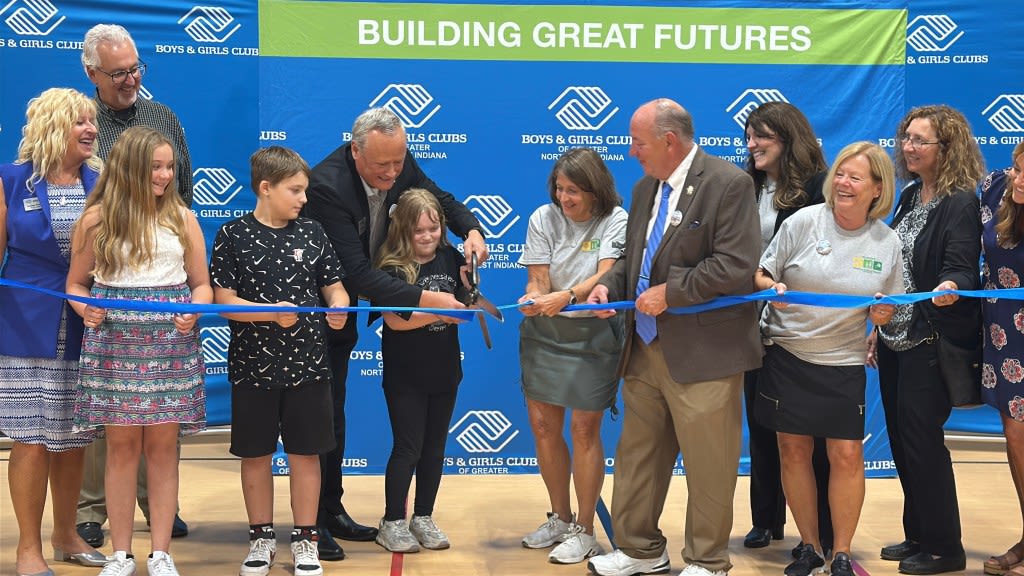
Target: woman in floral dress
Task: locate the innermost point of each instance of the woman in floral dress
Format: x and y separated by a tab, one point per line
1002	212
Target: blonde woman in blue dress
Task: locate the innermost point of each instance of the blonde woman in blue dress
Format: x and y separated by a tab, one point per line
41	194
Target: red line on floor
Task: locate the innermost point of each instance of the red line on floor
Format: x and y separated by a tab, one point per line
858	569
397	559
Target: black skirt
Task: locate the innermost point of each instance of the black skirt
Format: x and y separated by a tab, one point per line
799	397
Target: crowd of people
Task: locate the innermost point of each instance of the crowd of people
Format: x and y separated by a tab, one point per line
96	399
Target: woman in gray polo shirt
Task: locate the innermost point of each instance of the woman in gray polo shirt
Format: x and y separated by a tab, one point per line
569	359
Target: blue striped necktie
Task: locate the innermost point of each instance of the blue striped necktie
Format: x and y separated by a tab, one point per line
647	325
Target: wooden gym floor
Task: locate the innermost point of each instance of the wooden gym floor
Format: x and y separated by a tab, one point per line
485	517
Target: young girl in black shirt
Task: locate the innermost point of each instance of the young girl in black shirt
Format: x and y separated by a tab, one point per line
420	401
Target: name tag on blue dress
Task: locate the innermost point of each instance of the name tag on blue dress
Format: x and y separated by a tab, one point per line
32	204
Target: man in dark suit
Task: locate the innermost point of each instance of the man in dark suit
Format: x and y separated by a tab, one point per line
692	236
351	193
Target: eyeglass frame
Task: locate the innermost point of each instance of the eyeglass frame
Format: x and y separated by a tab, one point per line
137	72
917	143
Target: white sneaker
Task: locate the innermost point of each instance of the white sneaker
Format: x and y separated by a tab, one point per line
427	533
120	564
576	547
307	560
551	531
697	570
161	564
260	558
618	564
394	536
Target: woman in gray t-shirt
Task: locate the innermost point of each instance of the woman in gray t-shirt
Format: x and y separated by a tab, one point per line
570	359
813	379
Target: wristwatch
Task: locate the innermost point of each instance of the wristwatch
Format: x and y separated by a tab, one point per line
572	297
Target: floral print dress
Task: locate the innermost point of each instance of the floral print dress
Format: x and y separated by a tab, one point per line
1002	372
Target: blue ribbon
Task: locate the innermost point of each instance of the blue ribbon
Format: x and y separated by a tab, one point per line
792	297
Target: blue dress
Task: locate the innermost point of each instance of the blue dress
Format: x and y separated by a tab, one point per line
37	394
1002	372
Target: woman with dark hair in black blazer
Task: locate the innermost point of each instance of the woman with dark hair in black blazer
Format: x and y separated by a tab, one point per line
788	169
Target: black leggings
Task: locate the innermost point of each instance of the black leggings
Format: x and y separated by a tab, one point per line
419	425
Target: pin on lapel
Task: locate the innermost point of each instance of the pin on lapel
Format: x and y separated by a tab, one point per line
689	190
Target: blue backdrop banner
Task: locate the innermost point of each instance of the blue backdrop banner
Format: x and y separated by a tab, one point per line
490	95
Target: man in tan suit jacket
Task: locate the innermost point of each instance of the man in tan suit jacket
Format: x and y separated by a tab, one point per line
682	390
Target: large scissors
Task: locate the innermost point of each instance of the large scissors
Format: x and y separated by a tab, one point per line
475	299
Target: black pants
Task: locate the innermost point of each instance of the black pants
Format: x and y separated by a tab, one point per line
340	344
916	407
419	425
767	499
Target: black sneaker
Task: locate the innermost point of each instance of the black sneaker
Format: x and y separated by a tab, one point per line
842	565
808	562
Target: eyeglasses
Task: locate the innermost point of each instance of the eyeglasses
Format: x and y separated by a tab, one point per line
119	77
915	142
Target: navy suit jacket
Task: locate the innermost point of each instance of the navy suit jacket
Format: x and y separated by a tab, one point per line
337	199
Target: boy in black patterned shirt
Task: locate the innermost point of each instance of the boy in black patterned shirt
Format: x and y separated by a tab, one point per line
277	361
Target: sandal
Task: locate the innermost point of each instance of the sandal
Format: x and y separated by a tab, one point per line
1013	558
1018	571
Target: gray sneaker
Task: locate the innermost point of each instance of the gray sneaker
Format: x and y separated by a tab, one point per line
548	533
427	533
394	536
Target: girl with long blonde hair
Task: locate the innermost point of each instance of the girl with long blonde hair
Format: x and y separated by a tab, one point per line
141	372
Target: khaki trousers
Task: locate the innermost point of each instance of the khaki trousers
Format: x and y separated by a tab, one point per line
662	418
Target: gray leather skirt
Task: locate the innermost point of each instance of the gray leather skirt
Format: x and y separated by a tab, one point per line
571	362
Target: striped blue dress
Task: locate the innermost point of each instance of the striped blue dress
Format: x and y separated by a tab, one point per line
37	394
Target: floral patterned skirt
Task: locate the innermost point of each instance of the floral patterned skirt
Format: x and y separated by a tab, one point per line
136	369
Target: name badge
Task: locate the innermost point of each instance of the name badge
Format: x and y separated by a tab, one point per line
32	204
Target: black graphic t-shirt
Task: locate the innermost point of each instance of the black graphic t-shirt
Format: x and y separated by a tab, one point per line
428	357
270	265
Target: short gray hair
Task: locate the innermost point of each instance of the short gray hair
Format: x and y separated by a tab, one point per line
670	116
380	119
98	34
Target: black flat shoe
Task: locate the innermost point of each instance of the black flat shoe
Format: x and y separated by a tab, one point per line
925	563
757	538
179	529
344	527
904	549
327	548
91	532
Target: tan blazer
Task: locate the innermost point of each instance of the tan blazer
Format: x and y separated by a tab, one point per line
713	251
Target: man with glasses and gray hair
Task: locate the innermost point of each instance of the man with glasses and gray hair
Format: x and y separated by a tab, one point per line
112	63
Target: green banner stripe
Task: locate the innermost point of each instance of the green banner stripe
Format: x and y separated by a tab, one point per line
581	33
